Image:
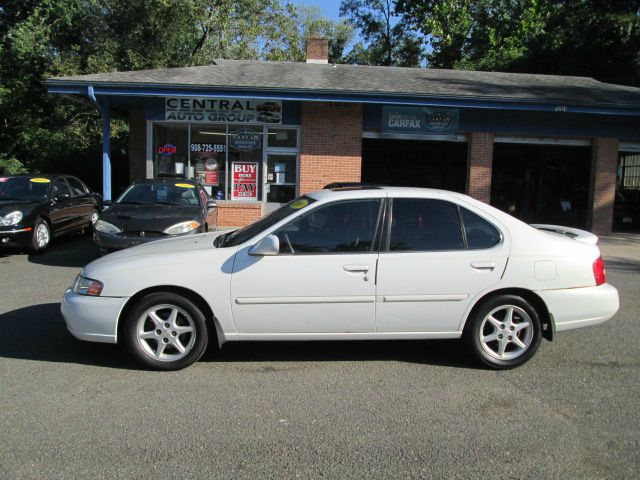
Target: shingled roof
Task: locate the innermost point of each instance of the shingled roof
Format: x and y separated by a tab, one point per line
420	83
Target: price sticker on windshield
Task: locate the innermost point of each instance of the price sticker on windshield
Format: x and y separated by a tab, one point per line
298	204
40	180
184	185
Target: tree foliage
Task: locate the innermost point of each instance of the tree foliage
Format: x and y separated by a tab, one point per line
48	38
386	38
570	37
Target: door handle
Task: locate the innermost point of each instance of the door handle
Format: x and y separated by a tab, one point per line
483	265
356	268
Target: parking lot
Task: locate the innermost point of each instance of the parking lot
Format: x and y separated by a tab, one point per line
70	409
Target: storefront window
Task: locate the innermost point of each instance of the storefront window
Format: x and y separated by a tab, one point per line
230	160
245	163
170	150
283	138
208	151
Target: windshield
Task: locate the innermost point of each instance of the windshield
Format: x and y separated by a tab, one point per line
242	235
24	188
160	193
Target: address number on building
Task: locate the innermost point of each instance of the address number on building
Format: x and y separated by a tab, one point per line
208	147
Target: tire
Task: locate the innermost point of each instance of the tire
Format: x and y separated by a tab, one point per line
41	236
152	332
504	332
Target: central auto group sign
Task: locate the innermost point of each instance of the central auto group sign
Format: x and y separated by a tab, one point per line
226	110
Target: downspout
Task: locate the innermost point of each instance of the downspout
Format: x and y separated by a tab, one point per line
106	143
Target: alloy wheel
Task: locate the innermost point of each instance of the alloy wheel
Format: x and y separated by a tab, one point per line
506	332
166	333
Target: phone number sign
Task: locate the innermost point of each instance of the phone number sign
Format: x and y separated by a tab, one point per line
244	181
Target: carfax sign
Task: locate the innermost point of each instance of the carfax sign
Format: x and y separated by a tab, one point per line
420	120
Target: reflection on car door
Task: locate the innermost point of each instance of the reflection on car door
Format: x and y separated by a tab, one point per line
433	267
61	210
323	281
81	205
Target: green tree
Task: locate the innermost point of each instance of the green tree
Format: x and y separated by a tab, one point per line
48	38
572	37
387	38
288	42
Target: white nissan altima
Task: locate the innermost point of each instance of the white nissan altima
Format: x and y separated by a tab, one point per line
349	264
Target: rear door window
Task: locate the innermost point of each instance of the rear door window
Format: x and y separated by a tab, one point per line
77	187
420	224
60	187
480	233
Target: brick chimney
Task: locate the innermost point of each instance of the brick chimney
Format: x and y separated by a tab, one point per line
317	50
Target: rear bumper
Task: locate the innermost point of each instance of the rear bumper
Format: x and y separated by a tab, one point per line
581	307
94	319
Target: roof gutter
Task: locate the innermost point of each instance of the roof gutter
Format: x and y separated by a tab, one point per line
106	142
133	90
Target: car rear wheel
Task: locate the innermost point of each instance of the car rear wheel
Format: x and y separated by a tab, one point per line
41	236
165	331
504	332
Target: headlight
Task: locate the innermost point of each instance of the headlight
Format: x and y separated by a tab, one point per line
106	227
12	218
182	227
87	286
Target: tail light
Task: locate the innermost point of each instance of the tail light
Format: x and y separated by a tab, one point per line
598	271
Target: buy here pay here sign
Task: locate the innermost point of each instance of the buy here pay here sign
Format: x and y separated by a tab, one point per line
244	184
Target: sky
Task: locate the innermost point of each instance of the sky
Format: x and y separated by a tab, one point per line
330	8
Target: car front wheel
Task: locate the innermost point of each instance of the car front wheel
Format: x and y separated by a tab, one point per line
41	236
165	331
504	332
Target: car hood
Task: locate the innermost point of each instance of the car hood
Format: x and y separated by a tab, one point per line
179	251
149	217
25	206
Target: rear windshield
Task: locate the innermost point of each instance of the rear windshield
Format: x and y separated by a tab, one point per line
24	188
161	193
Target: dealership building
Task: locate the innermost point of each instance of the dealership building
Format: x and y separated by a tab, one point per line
547	149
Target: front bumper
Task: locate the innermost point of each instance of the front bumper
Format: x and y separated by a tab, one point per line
107	242
581	307
17	236
94	319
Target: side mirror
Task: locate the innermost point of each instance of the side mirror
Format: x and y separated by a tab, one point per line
62	196
269	245
107	203
211	204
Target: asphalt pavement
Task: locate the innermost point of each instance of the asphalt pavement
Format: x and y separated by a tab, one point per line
70	409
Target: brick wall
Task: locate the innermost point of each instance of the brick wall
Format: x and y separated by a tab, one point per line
331	144
231	214
479	165
604	162
137	145
317	50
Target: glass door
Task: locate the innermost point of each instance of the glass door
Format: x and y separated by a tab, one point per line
281	167
245	163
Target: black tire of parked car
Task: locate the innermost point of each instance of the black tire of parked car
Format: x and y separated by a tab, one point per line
156	299
473	334
34	245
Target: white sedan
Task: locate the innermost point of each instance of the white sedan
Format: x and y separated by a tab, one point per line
349	264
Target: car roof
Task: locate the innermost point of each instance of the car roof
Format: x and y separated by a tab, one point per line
380	192
39	175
